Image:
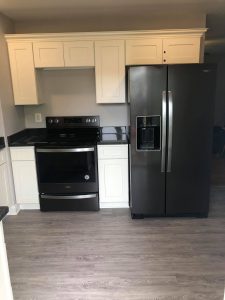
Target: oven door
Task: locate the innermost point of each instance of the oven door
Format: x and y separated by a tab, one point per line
67	170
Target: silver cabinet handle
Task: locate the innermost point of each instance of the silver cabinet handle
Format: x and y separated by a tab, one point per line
170	132
163	158
65	150
68	197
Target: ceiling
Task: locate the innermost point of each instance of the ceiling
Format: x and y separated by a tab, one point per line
40	10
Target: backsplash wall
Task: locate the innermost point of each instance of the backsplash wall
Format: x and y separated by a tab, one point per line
72	92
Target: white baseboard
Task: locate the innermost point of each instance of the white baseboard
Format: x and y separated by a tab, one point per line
29	206
14	210
114	205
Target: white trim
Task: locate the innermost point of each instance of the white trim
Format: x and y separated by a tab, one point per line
29	206
114	205
105	34
14	210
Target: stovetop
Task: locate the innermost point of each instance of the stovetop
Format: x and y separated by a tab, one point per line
72	131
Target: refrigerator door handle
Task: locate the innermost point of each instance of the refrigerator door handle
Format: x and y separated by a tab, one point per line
163	159
170	132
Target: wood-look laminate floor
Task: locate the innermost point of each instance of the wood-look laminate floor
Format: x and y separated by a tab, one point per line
106	255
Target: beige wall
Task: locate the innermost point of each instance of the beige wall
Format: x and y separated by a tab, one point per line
147	20
72	92
13	116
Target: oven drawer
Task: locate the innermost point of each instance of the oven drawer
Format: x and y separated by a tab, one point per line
81	202
112	151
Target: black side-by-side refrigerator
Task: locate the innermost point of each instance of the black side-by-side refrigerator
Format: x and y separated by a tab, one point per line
171	117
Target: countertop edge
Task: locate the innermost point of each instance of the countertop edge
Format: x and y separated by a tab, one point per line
3	212
2	142
113	143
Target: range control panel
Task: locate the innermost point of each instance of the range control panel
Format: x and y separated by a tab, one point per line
72	122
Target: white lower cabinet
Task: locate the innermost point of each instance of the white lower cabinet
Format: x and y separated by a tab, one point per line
113	176
4	185
25	175
5	283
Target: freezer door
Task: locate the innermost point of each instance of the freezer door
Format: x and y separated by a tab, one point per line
190	121
147	95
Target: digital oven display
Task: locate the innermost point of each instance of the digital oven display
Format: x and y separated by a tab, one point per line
72	120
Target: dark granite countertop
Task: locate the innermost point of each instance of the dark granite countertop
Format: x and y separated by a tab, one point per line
113	135
3	211
112	139
30	137
2	142
27	137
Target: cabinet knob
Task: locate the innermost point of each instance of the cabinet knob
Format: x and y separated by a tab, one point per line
164	51
164	60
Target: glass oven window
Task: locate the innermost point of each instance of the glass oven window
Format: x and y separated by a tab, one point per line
66	167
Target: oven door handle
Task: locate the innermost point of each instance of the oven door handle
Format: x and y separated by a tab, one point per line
46	150
69	197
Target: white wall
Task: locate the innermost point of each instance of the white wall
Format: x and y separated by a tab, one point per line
72	92
13	116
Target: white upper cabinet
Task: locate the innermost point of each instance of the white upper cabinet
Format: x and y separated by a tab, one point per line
48	54
110	71
79	54
23	73
107	52
144	51
181	50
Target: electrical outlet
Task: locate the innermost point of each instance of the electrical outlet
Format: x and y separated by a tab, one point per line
38	117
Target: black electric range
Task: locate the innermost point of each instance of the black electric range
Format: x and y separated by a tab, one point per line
67	164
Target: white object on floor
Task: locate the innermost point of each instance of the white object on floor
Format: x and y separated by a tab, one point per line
5	283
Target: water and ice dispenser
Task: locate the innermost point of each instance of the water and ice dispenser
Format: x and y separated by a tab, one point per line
148	133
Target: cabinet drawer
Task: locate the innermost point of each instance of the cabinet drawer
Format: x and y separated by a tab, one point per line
2	157
22	153
112	151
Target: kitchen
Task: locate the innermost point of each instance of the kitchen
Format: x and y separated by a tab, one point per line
78	85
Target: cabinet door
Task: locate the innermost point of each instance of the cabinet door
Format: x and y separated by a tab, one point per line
144	52
4	192
5	283
25	180
181	50
23	73
48	54
79	54
113	182
110	71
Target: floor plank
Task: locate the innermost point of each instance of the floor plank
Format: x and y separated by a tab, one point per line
106	255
